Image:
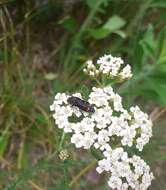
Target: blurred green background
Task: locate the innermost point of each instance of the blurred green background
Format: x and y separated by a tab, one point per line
43	47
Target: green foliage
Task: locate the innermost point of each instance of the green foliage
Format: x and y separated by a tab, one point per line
113	25
159	4
153	86
68	23
43	49
4	140
91	3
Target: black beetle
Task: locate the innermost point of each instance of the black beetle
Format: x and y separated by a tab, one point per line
81	104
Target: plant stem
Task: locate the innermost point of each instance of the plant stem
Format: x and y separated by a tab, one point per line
137	19
65	172
82	172
34	185
62	140
82	29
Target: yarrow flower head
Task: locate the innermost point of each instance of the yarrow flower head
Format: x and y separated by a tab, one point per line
112	67
125	172
106	126
110	119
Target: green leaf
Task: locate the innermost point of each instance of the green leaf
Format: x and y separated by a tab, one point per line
120	33
161	51
152	87
85	91
68	23
91	3
149	37
99	33
23	162
4	140
161	47
114	23
159	87
44	12
97	154
138	54
148	43
148	50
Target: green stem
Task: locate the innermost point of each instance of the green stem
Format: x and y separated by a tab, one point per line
137	19
82	29
98	82
82	172
65	172
61	141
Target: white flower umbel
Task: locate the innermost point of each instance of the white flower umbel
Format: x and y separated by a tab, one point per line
110	120
108	125
142	124
126	172
90	69
112	67
133	126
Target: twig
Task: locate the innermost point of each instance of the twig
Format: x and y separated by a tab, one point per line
157	115
82	172
3	160
37	187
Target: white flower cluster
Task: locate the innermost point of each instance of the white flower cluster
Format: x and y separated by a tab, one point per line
109	66
142	124
126	172
110	119
110	124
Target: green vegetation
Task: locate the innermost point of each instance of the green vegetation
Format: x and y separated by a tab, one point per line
43	47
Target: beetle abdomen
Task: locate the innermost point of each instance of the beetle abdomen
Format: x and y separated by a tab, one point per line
81	104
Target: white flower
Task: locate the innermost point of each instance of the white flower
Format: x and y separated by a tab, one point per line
117	100
115	182
98	97
77	139
109	66
126	72
109	90
141	121
102	144
109	120
103	165
110	125
125	172
90	69
89	138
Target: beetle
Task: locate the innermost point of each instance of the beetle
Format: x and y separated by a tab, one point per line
81	104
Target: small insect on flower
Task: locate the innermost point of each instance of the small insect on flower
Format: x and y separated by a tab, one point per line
63	155
81	104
